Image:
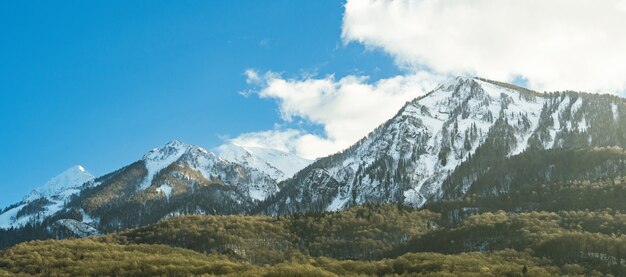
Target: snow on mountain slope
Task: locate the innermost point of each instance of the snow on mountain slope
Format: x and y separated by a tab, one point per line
159	158
69	179
165	189
407	159
76	227
175	171
439	131
277	164
249	180
47	200
255	163
8	218
438	145
175	179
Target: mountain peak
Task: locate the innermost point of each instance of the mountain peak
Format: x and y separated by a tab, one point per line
426	141
70	178
159	158
175	143
455	81
173	147
276	163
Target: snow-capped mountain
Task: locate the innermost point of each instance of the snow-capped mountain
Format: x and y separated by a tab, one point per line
160	158
66	182
467	137
173	179
252	182
275	163
47	200
416	156
177	178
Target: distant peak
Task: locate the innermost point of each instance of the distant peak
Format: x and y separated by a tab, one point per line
159	158
73	170
277	163
174	147
174	142
77	168
70	178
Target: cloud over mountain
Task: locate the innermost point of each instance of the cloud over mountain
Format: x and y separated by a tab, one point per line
347	108
555	45
552	45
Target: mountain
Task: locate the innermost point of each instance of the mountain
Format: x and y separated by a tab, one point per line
468	146
438	147
47	200
175	179
476	178
275	163
69	179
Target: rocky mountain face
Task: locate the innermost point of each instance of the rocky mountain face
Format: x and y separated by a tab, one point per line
442	145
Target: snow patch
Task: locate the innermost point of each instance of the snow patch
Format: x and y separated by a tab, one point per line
87	218
7	219
165	189
78	228
337	204
583	125
576	106
556	126
258	194
532	113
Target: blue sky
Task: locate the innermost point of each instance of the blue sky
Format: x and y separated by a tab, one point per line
99	83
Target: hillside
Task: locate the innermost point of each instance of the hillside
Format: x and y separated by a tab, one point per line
364	240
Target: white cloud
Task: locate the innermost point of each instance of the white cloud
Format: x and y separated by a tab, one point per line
347	109
252	76
556	44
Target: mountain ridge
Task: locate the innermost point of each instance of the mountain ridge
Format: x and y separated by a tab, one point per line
278	164
59	192
438	147
460	122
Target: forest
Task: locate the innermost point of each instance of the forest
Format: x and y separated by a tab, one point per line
370	240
